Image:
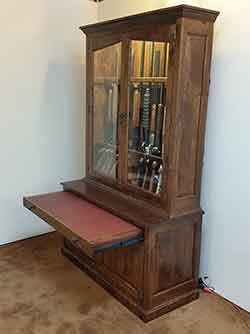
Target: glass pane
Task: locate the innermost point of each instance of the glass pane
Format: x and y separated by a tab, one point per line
147	114
107	64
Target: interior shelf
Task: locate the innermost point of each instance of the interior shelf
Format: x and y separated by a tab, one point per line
142	154
148	79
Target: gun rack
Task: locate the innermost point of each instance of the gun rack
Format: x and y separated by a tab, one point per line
133	222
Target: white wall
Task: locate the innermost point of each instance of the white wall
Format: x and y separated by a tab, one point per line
110	9
226	176
41	104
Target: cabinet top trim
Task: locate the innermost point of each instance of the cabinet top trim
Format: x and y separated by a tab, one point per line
165	15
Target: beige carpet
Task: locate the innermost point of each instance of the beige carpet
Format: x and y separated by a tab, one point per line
41	292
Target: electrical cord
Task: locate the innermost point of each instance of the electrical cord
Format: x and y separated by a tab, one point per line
210	290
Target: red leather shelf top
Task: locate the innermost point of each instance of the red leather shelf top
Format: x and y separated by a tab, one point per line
83	218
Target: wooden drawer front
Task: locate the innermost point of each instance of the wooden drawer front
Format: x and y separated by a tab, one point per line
88	227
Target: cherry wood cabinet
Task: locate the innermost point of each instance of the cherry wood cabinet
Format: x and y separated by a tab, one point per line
133	223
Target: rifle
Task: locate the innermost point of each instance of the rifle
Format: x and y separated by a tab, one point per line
154	177
142	63
99	158
159	184
164	130
142	59
145	116
148	174
152	53
101	165
152	125
132	62
136	117
147	103
111	166
113	170
115	101
108	126
114	112
159	124
165	59
157	63
140	172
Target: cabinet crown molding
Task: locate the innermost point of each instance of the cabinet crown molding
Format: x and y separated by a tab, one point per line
164	15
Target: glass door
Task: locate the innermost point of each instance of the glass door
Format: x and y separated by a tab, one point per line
147	115
106	91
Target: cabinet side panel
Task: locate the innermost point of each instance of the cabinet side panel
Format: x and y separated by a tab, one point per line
173	256
175	260
191	112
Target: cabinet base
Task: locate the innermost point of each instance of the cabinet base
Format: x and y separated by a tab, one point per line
145	315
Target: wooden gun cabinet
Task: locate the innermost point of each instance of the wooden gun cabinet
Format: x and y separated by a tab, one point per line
133	222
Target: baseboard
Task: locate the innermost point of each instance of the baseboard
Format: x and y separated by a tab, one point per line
26	239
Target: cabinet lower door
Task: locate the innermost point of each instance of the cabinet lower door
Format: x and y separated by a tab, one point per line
86	226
